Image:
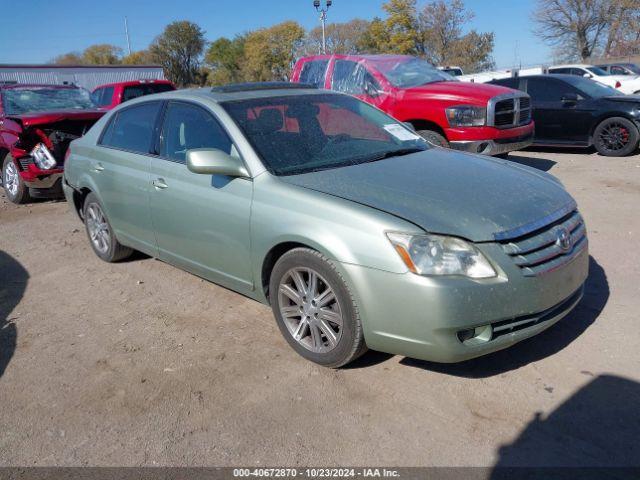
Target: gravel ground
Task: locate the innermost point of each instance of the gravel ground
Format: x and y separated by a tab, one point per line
140	363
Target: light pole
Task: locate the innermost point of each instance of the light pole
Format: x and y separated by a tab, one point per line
323	20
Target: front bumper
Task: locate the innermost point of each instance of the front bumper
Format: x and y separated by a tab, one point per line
496	146
421	317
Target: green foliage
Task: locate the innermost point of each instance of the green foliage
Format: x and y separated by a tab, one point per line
342	38
224	58
71	58
269	53
178	49
141	57
402	26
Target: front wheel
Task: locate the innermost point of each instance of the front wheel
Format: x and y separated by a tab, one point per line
616	137
434	138
17	192
315	310
101	236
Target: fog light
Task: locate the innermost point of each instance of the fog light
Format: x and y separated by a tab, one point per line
475	336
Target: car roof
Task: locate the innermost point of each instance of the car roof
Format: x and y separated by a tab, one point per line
11	86
236	92
561	76
142	81
573	65
381	56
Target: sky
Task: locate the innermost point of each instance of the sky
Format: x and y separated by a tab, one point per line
38	30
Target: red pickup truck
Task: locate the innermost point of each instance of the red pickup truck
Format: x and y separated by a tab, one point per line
476	118
113	94
37	124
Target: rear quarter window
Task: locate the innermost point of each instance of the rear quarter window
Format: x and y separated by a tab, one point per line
132	129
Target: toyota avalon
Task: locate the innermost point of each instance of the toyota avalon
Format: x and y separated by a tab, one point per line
357	232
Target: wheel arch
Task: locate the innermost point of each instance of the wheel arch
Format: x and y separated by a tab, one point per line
607	116
421	124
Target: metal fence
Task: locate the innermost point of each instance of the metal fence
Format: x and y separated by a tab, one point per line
87	77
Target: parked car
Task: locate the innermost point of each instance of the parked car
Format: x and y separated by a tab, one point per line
452	70
574	111
113	94
626	84
352	227
621	69
37	123
474	118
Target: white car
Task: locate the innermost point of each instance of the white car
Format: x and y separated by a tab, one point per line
625	83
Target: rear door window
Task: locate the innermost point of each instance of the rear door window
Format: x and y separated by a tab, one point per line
547	89
314	72
135	91
132	128
188	126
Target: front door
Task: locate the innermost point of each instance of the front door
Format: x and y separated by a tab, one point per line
201	221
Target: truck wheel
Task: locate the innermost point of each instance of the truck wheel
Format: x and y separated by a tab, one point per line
434	138
315	310
616	137
101	236
17	191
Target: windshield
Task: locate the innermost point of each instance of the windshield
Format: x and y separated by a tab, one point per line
410	73
591	88
17	101
306	133
598	71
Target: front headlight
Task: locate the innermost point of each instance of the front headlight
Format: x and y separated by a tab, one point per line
440	255
43	157
466	116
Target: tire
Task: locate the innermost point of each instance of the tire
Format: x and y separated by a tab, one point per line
100	234
322	339
616	137
434	138
17	192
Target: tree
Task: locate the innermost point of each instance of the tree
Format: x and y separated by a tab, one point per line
574	27
71	58
402	26
102	54
224	58
179	49
270	52
375	39
141	57
441	25
342	38
623	36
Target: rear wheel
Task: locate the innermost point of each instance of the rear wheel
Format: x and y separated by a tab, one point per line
101	236
315	310
616	137
433	137
17	192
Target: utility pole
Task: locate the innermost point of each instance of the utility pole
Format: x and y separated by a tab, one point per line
323	20
126	32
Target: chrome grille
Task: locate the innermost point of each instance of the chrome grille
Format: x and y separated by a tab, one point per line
509	110
543	251
25	162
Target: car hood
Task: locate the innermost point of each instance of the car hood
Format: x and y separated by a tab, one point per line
447	192
471	93
41	118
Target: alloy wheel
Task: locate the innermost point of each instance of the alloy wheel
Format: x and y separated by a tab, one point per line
310	310
614	137
98	228
11	179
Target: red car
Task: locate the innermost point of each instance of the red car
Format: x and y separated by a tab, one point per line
113	94
37	123
477	118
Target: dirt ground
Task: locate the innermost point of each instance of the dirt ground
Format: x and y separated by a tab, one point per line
140	363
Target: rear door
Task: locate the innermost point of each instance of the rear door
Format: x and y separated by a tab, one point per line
120	169
557	121
201	221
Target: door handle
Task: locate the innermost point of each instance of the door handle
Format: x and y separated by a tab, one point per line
98	167
159	184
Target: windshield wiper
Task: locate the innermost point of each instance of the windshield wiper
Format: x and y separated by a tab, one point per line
392	153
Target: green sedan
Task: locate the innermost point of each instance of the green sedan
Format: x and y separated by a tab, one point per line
357	232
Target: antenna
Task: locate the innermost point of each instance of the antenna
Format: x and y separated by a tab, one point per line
126	32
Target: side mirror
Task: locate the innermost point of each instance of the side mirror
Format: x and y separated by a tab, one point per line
211	161
570	98
587	75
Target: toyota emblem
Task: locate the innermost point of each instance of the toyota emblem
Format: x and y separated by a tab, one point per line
563	239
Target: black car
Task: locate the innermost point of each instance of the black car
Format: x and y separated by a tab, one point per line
574	111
